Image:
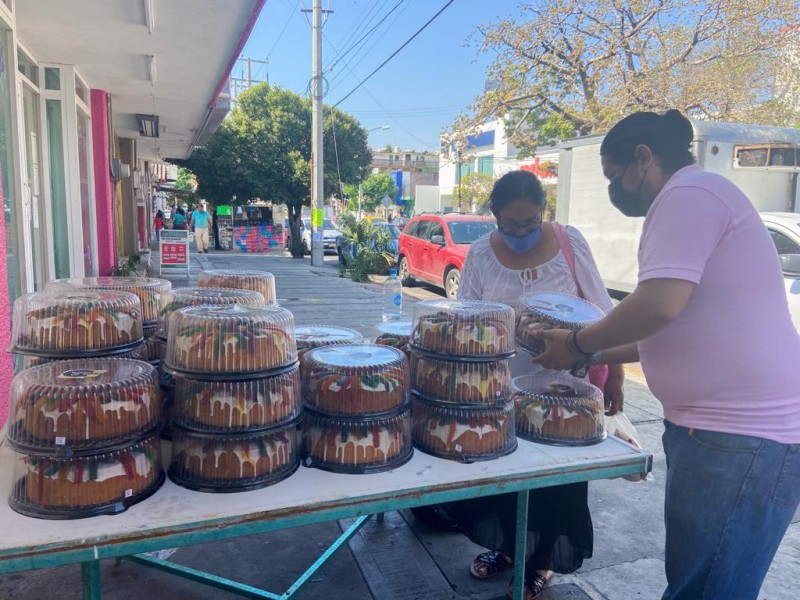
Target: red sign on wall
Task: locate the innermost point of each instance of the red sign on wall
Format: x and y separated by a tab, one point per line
173	254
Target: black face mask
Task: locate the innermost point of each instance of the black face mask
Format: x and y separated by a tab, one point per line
628	203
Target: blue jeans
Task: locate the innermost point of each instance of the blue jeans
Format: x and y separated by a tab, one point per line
729	500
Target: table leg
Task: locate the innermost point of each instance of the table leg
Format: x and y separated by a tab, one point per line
90	575
521	546
379	517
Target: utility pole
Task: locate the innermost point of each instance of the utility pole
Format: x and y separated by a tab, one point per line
317	229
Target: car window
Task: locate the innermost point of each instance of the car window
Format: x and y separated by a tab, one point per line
328	224
393	231
783	244
466	232
412	228
422	230
436	229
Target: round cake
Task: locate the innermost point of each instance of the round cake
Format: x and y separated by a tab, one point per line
558	409
463	434
240	279
138	352
237	405
231	339
83	403
463	328
93	321
309	337
192	296
153	293
229	463
460	382
361	379
356	445
396	334
538	312
73	487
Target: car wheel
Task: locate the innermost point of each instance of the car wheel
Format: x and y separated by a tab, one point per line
403	273
451	281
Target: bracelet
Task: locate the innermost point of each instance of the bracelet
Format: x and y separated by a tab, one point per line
577	347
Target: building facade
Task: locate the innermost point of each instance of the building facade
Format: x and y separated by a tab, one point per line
92	93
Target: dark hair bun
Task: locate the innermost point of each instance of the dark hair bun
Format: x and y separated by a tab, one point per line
677	129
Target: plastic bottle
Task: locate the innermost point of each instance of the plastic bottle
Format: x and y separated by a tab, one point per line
392	297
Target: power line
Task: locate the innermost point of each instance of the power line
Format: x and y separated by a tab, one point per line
362	24
292	12
395	53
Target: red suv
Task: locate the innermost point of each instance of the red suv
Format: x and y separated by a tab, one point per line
433	248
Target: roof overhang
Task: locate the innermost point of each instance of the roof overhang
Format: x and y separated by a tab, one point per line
178	72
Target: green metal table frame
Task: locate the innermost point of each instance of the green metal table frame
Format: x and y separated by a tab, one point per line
132	546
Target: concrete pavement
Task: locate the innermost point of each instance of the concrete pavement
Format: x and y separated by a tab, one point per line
402	559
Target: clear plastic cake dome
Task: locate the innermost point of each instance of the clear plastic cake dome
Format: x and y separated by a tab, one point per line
241	279
230	340
196	296
396	334
315	336
558	409
461	382
153	292
83	405
237	406
107	483
355	380
551	311
463	434
138	352
79	322
465	328
357	445
234	462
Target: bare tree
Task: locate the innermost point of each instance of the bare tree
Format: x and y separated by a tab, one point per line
573	67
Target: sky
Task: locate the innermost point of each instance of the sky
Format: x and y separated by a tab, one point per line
418	93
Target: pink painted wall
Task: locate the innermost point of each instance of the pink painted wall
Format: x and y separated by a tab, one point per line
103	186
6	364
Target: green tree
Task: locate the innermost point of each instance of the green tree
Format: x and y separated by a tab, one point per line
574	67
473	193
186	180
373	189
263	150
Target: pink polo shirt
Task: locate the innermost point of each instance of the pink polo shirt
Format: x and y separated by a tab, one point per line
731	361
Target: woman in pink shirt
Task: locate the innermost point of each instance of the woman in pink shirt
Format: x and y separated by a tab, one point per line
710	323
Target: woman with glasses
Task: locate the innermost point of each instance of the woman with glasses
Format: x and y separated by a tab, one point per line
524	256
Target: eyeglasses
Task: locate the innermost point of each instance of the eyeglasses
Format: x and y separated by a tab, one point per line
520	227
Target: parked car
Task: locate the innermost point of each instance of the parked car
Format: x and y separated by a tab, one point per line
400	222
433	248
344	247
785	231
330	233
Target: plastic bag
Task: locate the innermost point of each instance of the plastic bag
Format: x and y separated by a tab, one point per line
620	425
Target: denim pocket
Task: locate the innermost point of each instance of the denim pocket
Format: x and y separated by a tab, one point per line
787	490
726	442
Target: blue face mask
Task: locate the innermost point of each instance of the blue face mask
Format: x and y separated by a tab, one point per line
524	243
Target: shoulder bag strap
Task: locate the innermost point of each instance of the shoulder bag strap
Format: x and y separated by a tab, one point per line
562	237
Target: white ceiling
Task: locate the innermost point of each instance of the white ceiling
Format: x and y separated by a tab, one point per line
108	42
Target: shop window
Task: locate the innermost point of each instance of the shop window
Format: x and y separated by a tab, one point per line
772	155
84	162
7	174
486	165
52	78
466	168
27	67
81	91
58	187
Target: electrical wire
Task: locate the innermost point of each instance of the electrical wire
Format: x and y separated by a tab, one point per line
395	53
292	12
362	24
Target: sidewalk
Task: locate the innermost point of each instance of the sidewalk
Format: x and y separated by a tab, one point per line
401	559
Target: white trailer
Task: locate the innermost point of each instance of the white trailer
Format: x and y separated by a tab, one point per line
763	161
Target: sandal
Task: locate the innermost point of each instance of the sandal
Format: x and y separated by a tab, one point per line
535	582
489	564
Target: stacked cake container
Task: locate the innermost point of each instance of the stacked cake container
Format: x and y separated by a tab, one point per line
461	379
183	298
237	411
241	279
85	433
357	416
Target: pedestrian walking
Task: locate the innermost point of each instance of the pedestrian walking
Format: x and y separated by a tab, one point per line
200	221
179	220
710	323
158	224
215	225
